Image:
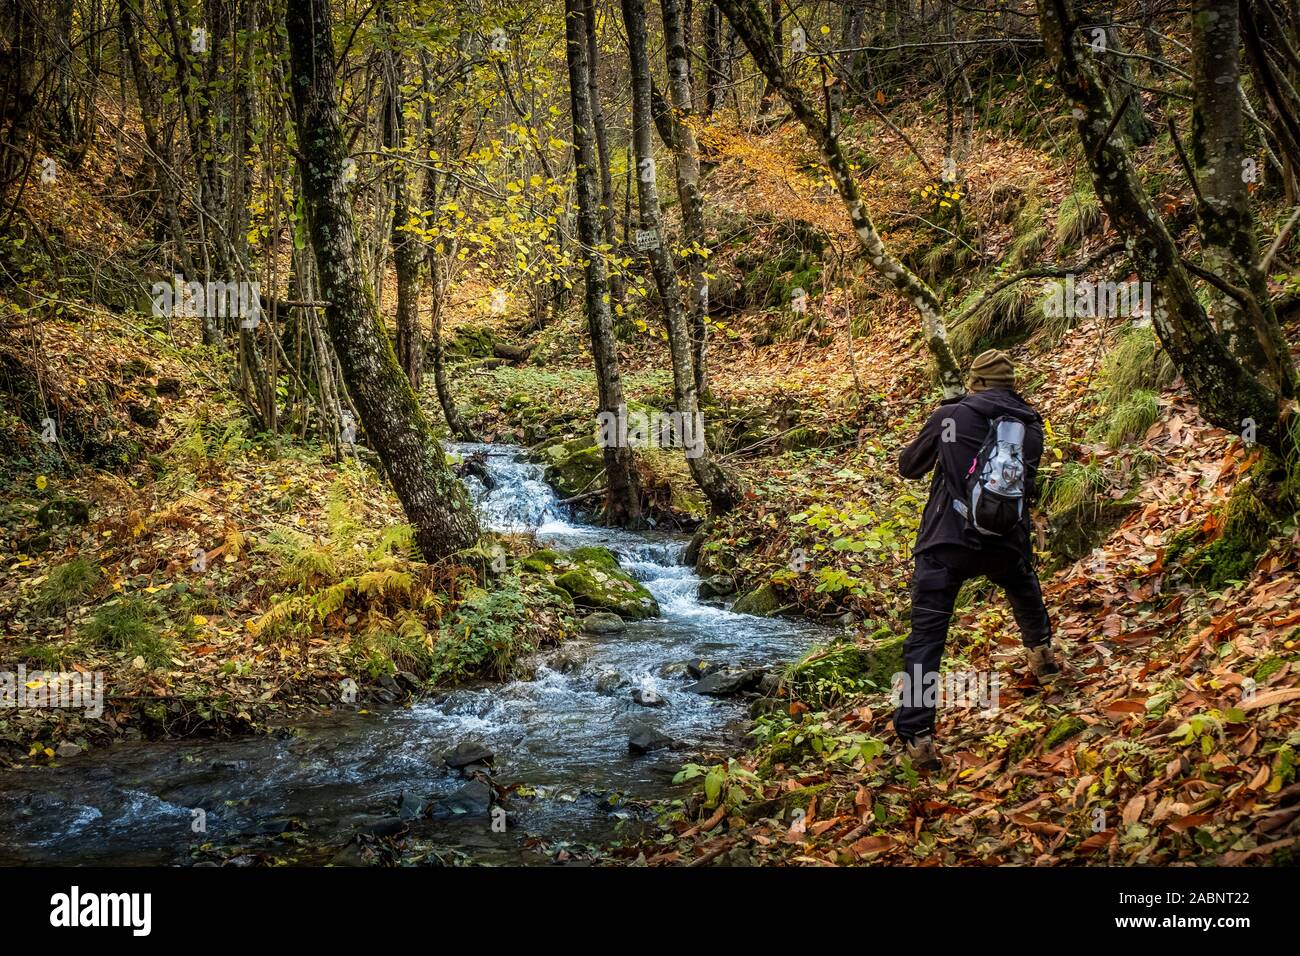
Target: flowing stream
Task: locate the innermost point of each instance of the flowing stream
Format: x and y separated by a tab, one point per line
562	770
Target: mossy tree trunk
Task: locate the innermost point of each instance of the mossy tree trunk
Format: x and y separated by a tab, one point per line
623	500
750	25
1223	212
719	487
435	502
1238	379
438	280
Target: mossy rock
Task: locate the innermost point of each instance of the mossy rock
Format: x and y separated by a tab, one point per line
541	561
763	601
563	597
471	341
1061	731
596	582
846	668
61	510
574	466
804	437
1076	532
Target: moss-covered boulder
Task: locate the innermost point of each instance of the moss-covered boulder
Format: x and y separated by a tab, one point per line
541	561
804	437
574	466
1233	554
1074	533
843	669
595	581
763	601
471	341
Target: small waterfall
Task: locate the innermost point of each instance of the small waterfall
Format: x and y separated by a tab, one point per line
514	497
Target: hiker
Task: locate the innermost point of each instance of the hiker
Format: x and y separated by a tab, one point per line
984	448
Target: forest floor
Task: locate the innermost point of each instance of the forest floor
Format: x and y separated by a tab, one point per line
1170	736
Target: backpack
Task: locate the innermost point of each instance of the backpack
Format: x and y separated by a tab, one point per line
994	487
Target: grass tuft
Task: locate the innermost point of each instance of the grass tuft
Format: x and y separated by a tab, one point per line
1137	362
1076	489
68	585
1079	216
1131	418
130	624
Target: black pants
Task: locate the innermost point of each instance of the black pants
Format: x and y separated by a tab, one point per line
940	573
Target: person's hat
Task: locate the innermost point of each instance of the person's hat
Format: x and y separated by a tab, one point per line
991	369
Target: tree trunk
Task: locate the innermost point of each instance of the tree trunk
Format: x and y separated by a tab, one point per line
406	247
602	142
406	258
687	153
623	502
721	490
438	279
753	30
1226	224
1230	394
435	502
1265	37
713	75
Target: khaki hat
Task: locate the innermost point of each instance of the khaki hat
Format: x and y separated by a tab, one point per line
991	369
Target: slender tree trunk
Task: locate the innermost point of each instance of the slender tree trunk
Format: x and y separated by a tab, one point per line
435	502
159	147
406	247
687	153
455	421
602	142
623	504
1133	123
721	490
713	76
1265	36
778	42
753	30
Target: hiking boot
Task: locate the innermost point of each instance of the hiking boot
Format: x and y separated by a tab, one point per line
923	754
1042	663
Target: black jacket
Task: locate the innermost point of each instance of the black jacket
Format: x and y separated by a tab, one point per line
965	421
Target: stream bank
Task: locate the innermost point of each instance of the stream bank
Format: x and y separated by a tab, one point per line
537	770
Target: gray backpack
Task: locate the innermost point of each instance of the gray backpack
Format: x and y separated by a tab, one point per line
994	487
